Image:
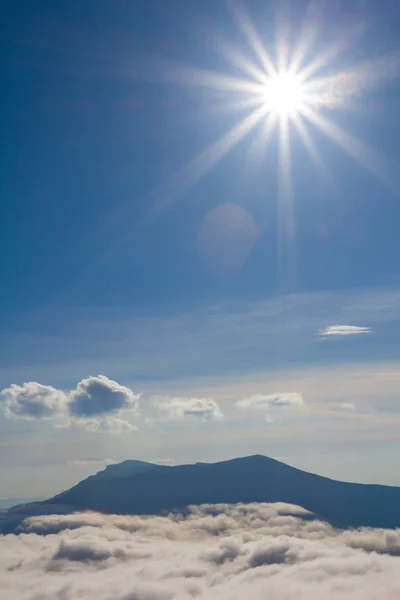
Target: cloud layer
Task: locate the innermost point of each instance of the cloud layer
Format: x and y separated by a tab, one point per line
216	552
96	405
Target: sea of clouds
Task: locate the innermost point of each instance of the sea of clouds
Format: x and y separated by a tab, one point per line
221	552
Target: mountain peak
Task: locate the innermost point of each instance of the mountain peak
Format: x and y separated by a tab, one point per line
147	488
125	468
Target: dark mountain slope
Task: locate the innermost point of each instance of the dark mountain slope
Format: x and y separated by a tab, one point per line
250	479
127	468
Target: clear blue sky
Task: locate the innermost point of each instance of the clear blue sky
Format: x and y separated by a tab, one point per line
136	246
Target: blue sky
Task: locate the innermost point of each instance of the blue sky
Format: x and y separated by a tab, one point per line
143	241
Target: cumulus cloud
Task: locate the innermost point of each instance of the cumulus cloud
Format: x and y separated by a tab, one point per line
33	400
343	330
179	408
95	404
99	395
268	401
218	552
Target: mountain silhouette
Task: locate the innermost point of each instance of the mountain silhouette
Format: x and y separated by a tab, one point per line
135	487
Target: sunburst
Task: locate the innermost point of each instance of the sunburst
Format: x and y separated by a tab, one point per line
284	95
290	92
294	89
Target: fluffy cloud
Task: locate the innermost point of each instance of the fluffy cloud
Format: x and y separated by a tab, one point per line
94	404
344	330
99	395
268	401
33	401
179	408
217	552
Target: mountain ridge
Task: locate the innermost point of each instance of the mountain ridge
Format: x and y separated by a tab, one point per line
256	478
138	487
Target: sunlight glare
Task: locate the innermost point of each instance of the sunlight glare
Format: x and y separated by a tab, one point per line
292	91
283	95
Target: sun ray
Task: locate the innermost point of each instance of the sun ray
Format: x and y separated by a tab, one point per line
282	36
307	37
299	54
304	90
237	104
309	144
259	147
179	73
267	129
253	38
360	152
284	174
237	59
330	54
208	158
183	180
283	57
282	93
339	88
286	217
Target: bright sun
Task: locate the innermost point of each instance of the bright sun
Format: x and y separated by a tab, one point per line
284	95
289	90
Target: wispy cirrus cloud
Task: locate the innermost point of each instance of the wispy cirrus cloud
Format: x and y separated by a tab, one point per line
270	403
341	330
267	401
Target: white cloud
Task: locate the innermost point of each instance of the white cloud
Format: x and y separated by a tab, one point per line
268	401
344	330
99	395
179	408
95	404
216	552
33	400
